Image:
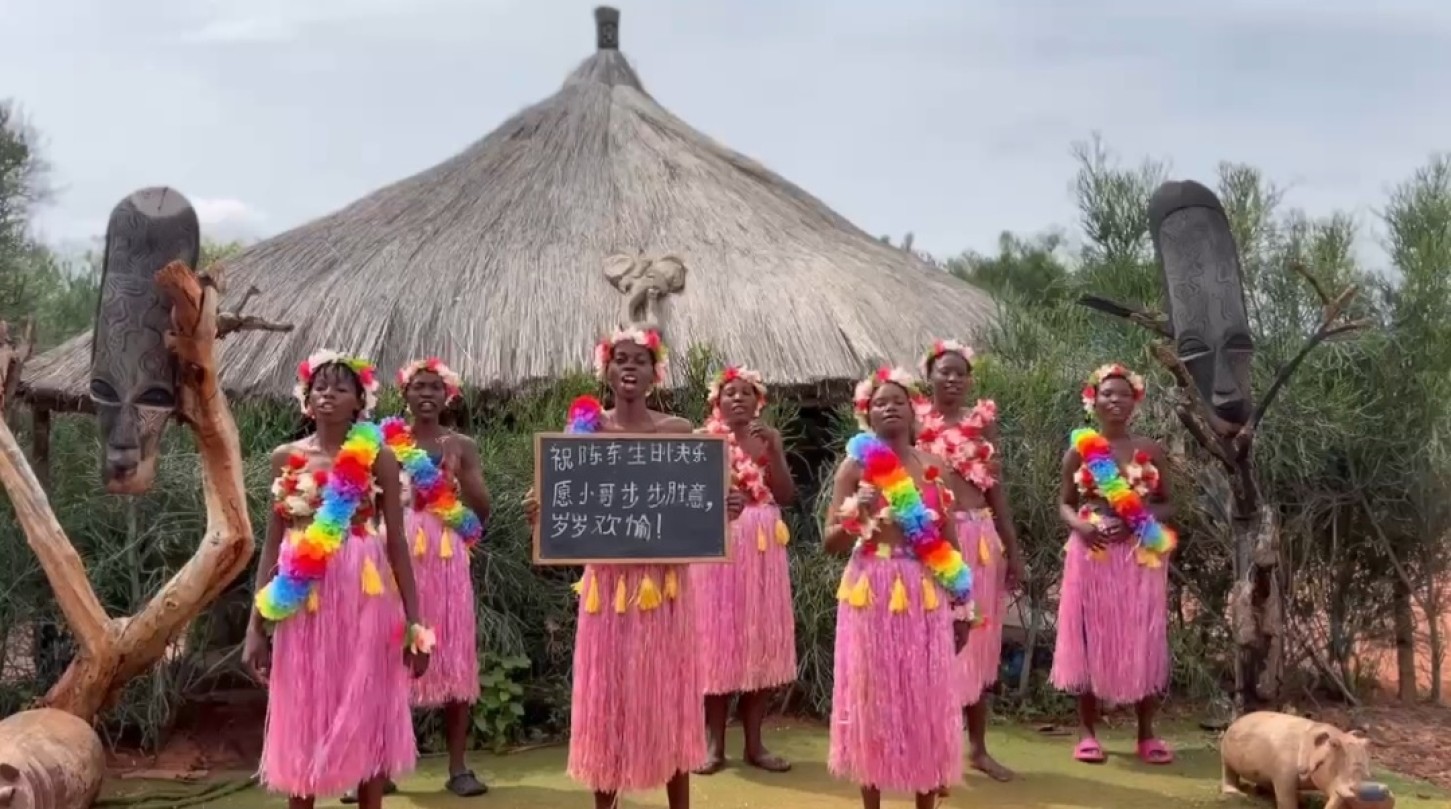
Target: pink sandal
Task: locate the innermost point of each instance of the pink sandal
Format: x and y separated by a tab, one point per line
1089	751
1154	751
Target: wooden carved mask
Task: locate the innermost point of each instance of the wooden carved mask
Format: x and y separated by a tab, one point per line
1204	295
133	373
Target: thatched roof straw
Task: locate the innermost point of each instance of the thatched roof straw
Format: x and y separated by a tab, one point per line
493	259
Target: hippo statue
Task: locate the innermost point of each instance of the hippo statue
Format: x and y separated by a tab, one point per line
49	759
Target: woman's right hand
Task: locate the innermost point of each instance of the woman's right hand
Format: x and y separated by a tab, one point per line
257	654
866	497
531	508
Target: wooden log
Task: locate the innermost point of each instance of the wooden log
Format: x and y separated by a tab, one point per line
49	758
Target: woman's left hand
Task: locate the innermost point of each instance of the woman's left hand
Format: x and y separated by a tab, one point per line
1017	575
417	662
735	503
767	435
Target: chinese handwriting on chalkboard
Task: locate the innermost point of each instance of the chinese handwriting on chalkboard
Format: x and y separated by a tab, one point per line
568	456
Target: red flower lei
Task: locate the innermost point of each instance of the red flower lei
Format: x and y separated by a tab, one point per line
964	445
747	474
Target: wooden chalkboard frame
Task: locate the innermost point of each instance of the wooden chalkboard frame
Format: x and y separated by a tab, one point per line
539	439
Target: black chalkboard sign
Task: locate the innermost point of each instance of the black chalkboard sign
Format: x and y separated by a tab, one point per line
621	498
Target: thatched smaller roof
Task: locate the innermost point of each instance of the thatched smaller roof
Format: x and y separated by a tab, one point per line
493	259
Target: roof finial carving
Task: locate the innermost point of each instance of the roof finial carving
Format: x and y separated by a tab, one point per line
644	282
607	28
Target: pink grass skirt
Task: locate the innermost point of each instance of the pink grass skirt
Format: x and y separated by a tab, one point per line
977	664
337	705
636	714
446	604
744	623
896	722
1112	625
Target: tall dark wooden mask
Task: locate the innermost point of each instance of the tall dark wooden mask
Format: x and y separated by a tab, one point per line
1204	295
133	373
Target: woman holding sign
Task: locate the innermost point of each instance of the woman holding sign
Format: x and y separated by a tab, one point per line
340	596
964	437
905	605
1113	610
635	709
440	469
745	625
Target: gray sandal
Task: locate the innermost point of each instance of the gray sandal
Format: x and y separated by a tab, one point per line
466	785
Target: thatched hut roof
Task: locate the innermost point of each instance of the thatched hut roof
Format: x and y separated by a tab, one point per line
493	259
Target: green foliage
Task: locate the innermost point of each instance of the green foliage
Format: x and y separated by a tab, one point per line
498	716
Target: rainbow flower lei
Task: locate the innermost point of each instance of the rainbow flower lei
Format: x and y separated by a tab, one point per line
304	556
429	483
1156	540
586	415
882	469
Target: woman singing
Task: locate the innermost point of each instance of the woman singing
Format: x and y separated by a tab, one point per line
635	719
1113	610
341	599
905	606
744	622
966	438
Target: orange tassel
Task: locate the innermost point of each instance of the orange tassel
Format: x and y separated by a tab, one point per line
672	584
861	592
649	596
420	542
445	545
899	596
984	553
783	534
592	599
929	595
760	539
622	602
372	582
313	602
843	592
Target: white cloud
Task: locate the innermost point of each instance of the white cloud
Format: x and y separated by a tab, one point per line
214	211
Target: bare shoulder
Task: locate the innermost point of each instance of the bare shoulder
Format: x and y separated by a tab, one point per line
848	471
673	424
463	441
1071	459
281	454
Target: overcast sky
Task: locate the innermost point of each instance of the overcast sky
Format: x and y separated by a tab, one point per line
950	118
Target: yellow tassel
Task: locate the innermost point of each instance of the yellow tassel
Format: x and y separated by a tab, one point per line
783	534
445	545
1146	557
649	596
622	602
372	582
592	598
861	592
420	543
984	553
578	587
672	584
312	600
843	592
760	539
899	596
929	595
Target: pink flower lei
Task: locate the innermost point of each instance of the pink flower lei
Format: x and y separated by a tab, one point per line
364	369
1089	394
964	444
747	474
452	385
649	338
865	389
940	347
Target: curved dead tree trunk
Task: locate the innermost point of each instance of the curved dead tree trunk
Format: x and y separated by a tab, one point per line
113	650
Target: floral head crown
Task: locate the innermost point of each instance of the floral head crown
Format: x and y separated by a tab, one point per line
867	388
730	374
940	347
367	376
649	338
452	385
1106	372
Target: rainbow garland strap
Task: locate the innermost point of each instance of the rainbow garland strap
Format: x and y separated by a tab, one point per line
586	415
433	488
304	556
1156	540
883	470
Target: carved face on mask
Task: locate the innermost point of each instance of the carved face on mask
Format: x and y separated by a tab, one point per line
133	373
1204	295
